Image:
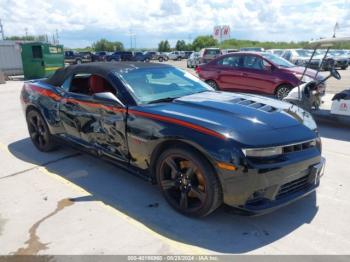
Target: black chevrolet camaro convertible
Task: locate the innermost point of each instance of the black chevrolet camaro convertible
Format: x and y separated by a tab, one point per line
202	147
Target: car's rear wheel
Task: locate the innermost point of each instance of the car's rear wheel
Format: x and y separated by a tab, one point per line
344	67
160	59
147	60
282	91
213	84
188	182
78	61
39	132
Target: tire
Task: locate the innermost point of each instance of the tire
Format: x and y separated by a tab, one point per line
179	59
213	84
113	60
147	60
78	61
344	67
160	59
188	182
39	132
282	91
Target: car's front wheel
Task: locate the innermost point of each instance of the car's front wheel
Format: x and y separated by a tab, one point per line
39	132
213	84
160	59
188	182
282	91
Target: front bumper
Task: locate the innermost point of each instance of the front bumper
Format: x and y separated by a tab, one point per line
260	191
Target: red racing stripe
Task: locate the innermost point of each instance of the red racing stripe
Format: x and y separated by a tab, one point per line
54	96
179	122
45	92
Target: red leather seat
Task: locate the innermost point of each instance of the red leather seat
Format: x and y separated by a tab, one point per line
97	85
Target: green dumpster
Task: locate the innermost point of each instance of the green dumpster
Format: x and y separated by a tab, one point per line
41	59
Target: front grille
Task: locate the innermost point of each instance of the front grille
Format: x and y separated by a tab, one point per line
293	186
254	104
298	147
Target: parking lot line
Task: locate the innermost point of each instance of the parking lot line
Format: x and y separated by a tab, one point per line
188	249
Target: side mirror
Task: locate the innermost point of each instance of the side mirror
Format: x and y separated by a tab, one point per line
106	97
268	67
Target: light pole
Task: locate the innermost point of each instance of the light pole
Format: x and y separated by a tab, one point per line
131	35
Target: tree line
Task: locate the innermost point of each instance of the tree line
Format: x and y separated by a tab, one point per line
181	45
208	41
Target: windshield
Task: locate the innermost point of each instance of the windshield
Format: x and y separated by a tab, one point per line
279	61
212	51
152	84
303	52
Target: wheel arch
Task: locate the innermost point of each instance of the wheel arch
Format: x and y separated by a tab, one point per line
32	107
161	147
42	112
283	84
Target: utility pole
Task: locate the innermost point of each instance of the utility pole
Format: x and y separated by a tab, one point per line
26	32
57	40
336	26
2	31
134	41
131	35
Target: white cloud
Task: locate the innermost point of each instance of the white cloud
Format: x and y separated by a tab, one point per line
153	20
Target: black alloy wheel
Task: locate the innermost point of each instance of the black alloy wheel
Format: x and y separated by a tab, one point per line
188	182
160	59
39	132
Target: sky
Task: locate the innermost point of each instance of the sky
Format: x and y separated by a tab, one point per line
81	22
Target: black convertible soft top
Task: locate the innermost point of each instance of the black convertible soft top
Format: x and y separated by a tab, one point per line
99	68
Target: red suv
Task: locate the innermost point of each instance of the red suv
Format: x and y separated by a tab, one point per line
250	72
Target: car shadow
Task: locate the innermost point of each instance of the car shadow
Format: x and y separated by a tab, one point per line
222	231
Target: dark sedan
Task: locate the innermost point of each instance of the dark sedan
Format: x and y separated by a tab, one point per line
261	73
202	147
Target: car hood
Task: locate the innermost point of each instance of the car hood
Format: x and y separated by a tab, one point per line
248	119
300	70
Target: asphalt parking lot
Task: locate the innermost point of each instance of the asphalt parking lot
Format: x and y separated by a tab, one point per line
67	202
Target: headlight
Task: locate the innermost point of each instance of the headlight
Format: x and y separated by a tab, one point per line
262	152
304	79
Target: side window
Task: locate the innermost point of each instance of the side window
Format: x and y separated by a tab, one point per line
287	55
230	61
88	84
66	84
253	62
37	52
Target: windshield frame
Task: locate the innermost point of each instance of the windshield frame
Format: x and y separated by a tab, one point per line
268	56
138	101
